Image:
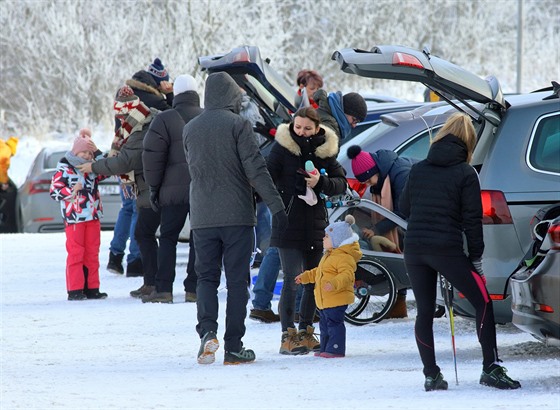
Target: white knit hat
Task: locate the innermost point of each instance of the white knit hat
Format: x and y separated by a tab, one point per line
340	232
184	83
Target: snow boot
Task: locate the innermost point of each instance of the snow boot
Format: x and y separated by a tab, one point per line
94	294
135	268
76	295
291	343
308	339
399	309
115	263
142	291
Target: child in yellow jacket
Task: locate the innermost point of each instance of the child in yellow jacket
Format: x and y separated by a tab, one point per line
334	284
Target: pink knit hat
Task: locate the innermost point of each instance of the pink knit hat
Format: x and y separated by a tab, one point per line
363	164
81	143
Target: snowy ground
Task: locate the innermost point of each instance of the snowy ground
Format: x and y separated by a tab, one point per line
121	354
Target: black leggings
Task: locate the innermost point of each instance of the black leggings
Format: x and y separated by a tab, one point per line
458	270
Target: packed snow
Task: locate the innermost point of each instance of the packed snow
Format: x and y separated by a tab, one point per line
118	353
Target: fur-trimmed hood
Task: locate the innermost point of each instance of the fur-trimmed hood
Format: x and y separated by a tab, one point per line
144	83
326	150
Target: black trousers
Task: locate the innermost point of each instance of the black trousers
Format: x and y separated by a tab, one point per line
172	221
145	234
190	281
458	270
233	245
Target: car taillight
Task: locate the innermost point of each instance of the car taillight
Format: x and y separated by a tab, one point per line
241	56
495	209
407	60
493	296
41	185
544	308
554	234
357	186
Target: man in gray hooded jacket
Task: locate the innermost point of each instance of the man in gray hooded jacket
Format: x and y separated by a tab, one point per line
225	166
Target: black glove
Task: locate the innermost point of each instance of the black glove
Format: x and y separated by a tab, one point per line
280	220
154	199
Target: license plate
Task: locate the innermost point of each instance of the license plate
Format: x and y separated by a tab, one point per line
109	189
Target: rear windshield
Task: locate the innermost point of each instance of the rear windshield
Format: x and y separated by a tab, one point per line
52	159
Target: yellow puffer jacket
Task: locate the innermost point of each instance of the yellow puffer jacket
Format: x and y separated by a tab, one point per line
337	267
7	150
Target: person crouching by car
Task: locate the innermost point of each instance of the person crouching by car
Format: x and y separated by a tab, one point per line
81	208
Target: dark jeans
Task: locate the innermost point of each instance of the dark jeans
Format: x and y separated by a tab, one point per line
124	229
233	245
190	281
145	234
172	221
458	270
333	330
295	261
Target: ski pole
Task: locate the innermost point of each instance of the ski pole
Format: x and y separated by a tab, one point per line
447	293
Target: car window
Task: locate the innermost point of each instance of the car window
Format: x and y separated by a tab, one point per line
418	146
52	159
544	151
269	100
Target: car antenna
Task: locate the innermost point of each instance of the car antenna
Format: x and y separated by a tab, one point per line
426	51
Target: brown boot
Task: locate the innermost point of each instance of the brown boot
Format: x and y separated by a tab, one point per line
309	340
399	309
291	343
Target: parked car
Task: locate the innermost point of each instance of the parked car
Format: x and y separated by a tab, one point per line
535	286
517	154
37	212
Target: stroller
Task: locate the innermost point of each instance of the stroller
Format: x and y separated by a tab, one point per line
381	272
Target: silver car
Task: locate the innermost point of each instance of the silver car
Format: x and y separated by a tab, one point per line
535	287
517	154
37	212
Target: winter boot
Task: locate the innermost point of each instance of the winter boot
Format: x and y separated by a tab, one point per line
435	383
95	294
291	343
135	268
496	376
309	340
190	297
399	309
76	295
158	297
142	291
115	263
241	357
208	346
265	316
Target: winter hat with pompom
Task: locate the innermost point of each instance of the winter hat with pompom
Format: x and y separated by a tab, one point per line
363	164
82	143
184	83
158	71
341	232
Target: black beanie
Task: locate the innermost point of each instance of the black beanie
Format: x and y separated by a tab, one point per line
354	104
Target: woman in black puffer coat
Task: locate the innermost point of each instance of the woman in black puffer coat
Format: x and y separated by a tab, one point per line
301	244
442	202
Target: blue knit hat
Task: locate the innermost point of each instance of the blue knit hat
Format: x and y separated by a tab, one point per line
158	71
341	231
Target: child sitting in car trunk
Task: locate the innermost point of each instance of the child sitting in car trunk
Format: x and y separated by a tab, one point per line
81	208
334	284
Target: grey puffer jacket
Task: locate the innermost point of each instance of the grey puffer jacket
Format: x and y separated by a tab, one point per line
224	161
165	165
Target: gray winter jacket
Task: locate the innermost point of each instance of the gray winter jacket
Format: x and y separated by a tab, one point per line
224	161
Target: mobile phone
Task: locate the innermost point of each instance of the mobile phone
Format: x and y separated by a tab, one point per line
303	172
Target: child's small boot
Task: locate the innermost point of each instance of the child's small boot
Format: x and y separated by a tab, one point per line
94	294
76	295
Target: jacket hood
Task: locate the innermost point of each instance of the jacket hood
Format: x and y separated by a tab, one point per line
384	160
222	93
351	247
142	80
188	97
328	149
449	150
